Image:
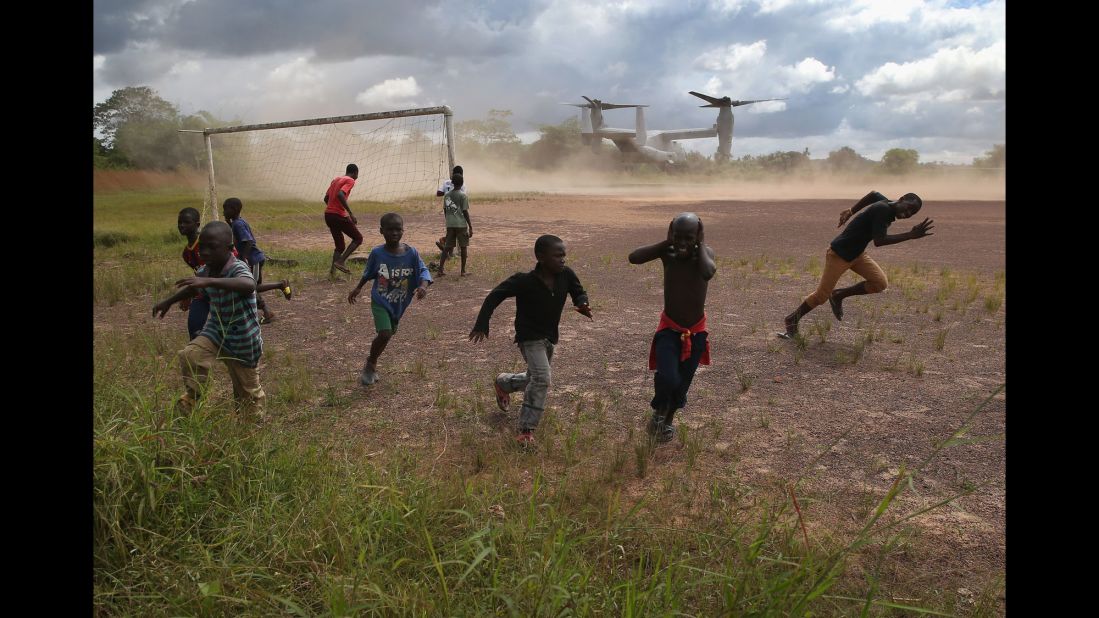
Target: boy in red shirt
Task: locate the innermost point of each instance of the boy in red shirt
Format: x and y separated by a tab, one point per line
338	217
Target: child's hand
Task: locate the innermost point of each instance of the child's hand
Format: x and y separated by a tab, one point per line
193	282
185	304
701	240
353	294
477	336
421	293
585	309
354	220
162	307
844	216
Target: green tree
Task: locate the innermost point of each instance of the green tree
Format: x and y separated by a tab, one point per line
555	143
784	162
129	105
900	160
846	159
491	136
995	158
137	127
106	158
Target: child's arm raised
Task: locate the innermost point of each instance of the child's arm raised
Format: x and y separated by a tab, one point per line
706	265
870	198
510	287
240	285
649	253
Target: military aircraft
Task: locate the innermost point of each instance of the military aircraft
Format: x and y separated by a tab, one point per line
658	146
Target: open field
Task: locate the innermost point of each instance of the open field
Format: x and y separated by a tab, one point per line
840	415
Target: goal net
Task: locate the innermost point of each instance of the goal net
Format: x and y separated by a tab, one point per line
400	154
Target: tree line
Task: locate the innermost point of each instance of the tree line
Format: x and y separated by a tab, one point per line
136	128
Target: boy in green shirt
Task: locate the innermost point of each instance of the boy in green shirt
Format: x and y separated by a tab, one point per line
456	209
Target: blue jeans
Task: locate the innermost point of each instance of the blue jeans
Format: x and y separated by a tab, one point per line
673	377
196	316
534	382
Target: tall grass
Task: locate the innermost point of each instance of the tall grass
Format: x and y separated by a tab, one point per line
208	514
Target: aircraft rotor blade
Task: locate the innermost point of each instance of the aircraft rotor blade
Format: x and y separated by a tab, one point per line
714	101
739	103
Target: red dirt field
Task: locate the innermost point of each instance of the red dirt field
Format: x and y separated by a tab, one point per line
761	413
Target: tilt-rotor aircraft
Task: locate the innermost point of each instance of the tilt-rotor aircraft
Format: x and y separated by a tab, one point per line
658	146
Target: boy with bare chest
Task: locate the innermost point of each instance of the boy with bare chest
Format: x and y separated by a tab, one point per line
681	340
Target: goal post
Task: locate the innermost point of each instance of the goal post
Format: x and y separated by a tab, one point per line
400	153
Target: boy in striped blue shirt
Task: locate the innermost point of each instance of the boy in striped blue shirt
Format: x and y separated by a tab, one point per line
231	333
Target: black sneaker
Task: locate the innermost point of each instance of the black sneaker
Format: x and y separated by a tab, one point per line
667	434
656	425
366	378
837	307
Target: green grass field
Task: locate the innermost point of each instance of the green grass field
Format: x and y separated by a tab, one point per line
207	514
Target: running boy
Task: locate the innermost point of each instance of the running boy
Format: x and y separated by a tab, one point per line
539	298
443	190
397	270
245	243
677	350
458	226
232	332
338	217
848	251
198	308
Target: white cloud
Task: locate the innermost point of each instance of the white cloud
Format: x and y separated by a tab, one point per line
840	89
954	74
805	74
98	61
733	57
296	74
714	85
974	26
728	7
618	69
391	93
773	6
863	14
185	68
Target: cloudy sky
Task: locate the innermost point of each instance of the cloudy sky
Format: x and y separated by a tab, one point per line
869	74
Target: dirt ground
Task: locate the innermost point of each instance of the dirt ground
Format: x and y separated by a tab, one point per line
764	409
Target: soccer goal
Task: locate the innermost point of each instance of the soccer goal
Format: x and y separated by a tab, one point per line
400	154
